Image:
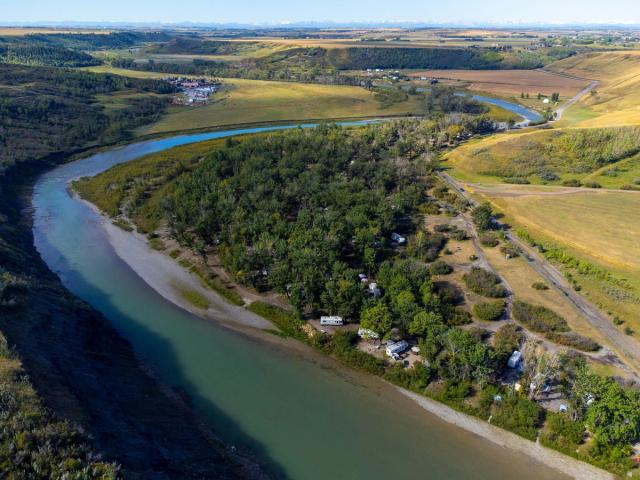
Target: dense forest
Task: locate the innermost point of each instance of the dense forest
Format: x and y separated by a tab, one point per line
46	110
68	49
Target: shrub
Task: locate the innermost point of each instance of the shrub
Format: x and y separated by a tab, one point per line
573	340
440	267
489	239
539	286
459	234
507	339
516	180
519	415
484	283
538	318
510	250
489	311
562	433
572	182
592	185
549	176
458	317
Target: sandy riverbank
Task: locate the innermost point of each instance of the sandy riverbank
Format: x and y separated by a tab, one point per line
163	273
167	277
556	460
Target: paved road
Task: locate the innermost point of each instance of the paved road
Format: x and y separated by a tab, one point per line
623	344
574	99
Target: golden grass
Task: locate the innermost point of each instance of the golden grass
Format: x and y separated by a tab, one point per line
511	82
600	227
603	225
617	101
254	101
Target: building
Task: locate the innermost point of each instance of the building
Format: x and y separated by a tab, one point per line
395	349
333	321
514	359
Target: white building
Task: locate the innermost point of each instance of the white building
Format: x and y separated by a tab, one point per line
333	321
394	349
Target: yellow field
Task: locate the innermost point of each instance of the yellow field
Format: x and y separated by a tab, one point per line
617	100
510	82
601	227
254	101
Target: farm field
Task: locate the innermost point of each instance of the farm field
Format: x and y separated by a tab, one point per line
599	227
510	82
254	101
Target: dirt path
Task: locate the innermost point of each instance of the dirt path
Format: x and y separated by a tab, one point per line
621	343
574	99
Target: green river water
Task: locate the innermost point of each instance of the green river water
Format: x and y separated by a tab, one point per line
302	418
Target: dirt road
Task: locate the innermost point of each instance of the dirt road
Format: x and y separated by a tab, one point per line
624	345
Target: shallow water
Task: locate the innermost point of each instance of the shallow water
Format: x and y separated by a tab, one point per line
302	418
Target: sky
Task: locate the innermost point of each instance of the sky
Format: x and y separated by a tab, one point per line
340	11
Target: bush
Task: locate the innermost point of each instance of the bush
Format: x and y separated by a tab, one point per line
489	239
484	283
572	182
459	235
516	180
507	339
510	250
539	286
549	176
592	185
562	433
440	267
519	415
489	311
574	340
538	318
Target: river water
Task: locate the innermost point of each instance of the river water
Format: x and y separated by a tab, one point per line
300	415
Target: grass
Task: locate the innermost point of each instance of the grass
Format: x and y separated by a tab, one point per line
599	227
618	94
254	101
286	321
194	298
552	156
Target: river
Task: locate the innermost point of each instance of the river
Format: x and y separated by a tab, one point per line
302	416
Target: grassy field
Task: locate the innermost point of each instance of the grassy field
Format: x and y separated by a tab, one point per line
253	101
257	101
617	99
510	82
599	227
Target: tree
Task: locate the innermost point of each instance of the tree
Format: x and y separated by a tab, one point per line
405	308
423	322
482	217
376	318
540	367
